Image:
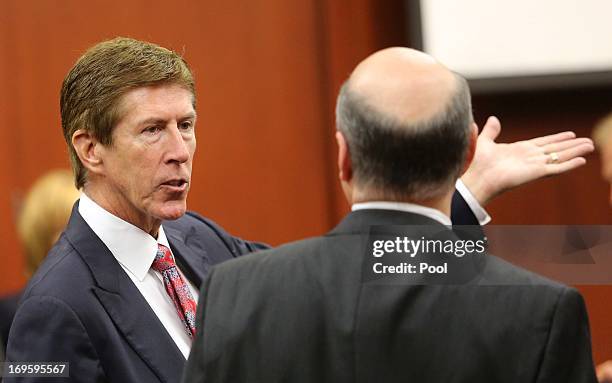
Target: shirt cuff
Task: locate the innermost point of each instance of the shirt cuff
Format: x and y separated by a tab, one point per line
481	214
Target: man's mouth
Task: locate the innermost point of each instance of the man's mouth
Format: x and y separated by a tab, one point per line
176	185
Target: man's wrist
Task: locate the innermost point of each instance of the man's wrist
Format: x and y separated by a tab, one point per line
477	209
478	187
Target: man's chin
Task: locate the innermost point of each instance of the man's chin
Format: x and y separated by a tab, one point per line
172	210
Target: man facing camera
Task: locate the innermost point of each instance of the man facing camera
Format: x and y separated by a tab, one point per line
307	312
115	299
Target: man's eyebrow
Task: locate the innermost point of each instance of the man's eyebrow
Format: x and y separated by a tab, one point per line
190	115
158	120
152	120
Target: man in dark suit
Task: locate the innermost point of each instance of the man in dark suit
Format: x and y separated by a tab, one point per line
116	297
83	308
315	311
8	306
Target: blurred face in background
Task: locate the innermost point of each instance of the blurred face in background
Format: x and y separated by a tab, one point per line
146	171
602	136
44	215
605	150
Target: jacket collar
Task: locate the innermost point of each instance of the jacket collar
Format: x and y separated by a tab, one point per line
361	221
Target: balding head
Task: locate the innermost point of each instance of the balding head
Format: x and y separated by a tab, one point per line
407	120
403	84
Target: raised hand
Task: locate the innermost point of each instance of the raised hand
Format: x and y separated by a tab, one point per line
498	167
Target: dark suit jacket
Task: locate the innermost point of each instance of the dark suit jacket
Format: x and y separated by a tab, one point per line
8	307
82	308
303	313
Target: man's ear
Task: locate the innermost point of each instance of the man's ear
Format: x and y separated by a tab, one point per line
345	168
471	147
88	149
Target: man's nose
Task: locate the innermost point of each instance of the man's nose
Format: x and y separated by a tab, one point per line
177	146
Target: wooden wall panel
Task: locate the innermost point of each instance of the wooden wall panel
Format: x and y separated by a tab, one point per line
354	30
10	163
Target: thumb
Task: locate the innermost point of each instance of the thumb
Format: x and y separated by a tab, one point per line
491	129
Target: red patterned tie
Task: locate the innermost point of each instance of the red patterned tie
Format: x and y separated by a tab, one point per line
176	288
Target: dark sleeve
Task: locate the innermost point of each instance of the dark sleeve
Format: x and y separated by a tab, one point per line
236	245
45	329
2	351
461	214
567	356
194	370
8	307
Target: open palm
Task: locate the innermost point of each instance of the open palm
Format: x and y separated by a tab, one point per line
498	167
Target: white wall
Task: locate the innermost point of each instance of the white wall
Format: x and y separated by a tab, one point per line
491	38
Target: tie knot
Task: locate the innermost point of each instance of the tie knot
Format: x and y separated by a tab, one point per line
163	259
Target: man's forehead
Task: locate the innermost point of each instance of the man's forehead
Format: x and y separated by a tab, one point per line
158	101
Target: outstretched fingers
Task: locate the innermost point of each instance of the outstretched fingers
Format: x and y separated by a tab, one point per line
553	138
562	167
569	153
568	144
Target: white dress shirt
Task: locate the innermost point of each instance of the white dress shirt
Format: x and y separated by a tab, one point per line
481	214
135	251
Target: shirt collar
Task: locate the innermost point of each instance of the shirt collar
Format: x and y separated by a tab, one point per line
434	214
133	248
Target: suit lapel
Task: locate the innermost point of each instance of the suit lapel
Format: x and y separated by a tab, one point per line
125	304
189	259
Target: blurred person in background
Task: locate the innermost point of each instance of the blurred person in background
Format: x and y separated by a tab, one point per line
41	218
44	215
602	136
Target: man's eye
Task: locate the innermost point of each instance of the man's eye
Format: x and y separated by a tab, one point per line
151	129
187	125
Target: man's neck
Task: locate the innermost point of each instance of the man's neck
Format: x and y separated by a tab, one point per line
124	210
442	203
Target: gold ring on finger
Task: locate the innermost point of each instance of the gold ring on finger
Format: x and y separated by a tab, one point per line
553	158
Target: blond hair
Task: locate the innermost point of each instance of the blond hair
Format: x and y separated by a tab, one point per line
44	215
92	90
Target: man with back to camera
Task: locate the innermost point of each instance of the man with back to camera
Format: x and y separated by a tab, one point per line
116	297
327	323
